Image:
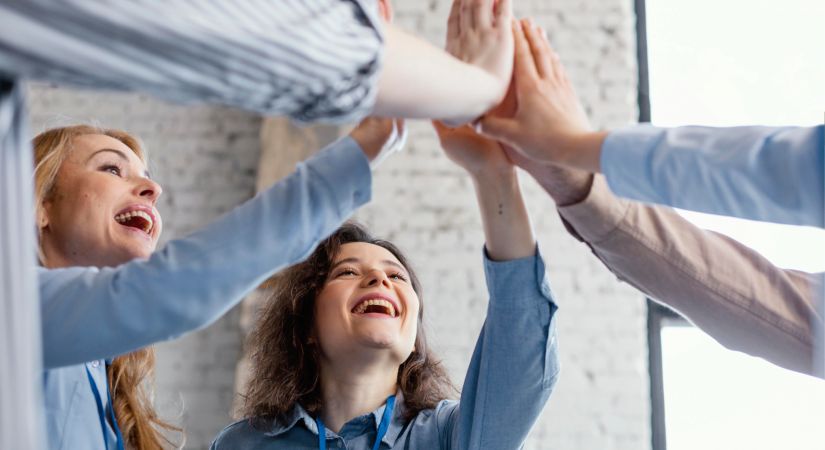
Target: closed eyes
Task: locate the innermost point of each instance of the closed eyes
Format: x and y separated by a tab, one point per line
349	272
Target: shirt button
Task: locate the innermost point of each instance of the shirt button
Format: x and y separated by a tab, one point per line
95	364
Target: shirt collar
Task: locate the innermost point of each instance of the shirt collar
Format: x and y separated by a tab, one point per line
397	422
299	414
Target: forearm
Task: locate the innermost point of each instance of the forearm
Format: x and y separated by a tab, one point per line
507	229
726	289
417	77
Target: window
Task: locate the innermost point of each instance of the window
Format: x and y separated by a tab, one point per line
726	63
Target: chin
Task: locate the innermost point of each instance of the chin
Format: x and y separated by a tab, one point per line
129	253
379	340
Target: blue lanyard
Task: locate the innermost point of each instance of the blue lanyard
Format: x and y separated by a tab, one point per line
382	427
102	415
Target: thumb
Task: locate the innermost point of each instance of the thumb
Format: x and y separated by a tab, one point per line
502	129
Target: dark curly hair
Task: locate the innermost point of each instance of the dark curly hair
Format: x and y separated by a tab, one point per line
285	366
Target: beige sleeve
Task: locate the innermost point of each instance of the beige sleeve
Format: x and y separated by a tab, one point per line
726	289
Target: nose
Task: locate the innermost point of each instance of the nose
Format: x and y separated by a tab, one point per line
375	278
148	189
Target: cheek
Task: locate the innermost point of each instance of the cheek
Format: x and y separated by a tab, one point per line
77	214
328	320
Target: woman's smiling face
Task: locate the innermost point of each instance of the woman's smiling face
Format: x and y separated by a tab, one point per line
102	208
367	302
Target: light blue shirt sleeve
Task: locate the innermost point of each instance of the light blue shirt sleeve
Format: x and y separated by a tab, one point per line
772	174
91	313
515	363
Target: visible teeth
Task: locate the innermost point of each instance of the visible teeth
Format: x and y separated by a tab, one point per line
362	307
121	218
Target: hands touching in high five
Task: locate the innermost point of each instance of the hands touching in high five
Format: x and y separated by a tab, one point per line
480	33
540	126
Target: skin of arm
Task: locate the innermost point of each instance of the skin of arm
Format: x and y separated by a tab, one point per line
549	123
272	60
473	73
507	228
761	173
728	290
512	372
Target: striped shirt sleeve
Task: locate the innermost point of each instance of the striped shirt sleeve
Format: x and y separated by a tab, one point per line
312	60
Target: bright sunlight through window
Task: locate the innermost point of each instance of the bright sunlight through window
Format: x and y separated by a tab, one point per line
725	63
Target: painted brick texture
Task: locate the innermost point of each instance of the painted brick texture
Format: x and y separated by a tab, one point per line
207	160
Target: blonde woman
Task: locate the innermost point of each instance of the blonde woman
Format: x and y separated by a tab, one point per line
106	294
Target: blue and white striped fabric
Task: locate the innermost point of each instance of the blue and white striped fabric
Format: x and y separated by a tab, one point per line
309	59
312	60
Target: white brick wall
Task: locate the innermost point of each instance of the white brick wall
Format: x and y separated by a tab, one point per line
206	159
602	399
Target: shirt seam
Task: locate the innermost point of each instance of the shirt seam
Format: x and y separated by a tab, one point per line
736	297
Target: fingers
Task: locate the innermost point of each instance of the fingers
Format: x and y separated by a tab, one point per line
503	12
541	58
558	69
549	58
483	13
453	22
465	16
524	68
499	128
385	10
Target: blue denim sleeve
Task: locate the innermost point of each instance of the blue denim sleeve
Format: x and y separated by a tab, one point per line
515	363
772	174
91	313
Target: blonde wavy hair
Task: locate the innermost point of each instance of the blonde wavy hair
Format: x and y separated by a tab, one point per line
130	376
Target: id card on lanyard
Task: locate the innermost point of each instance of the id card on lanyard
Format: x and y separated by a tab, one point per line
101	412
386	418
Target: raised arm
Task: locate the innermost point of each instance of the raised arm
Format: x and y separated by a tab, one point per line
515	363
773	174
763	173
728	290
91	313
312	60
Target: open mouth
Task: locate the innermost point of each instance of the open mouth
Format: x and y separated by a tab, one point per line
138	219
375	306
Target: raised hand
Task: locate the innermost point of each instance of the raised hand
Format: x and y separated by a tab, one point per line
477	154
479	32
549	124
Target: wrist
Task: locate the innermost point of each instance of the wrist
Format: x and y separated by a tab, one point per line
493	174
566	186
583	151
368	146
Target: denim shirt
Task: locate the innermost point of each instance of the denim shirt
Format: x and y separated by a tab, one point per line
512	372
772	174
91	313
